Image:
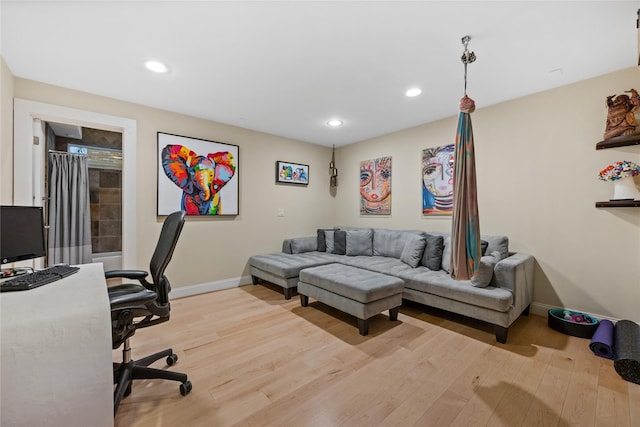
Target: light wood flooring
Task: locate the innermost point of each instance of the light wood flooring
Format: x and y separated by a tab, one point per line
256	359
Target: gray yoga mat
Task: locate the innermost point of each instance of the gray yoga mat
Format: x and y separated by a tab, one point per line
626	353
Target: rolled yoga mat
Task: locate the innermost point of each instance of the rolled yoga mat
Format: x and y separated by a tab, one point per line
626	351
602	340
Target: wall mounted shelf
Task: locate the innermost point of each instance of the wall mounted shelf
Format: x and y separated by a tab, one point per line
619	141
619	204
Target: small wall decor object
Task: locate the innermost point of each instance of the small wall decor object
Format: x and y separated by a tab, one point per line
437	180
197	176
620	118
375	186
621	174
292	173
333	171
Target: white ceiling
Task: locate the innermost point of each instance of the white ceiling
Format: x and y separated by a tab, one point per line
288	67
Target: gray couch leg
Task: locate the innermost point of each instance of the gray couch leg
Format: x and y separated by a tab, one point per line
526	310
287	293
304	300
393	313
255	280
501	334
363	326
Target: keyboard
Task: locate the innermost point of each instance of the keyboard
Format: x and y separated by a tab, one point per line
37	278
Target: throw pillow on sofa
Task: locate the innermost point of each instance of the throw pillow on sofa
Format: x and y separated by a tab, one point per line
328	240
359	242
339	242
483	247
432	258
485	272
413	250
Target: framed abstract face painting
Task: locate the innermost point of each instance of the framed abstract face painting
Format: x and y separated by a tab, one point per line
375	186
197	176
437	180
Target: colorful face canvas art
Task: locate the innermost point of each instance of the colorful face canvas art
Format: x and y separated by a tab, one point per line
375	186
197	176
437	180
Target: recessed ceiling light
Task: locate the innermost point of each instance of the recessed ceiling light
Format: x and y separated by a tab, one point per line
334	123
156	66
413	92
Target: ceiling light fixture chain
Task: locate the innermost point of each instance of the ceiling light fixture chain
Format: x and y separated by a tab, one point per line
467	58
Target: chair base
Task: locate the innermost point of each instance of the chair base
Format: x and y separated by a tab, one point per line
124	373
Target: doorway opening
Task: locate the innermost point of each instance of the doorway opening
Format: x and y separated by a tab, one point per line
103	150
29	153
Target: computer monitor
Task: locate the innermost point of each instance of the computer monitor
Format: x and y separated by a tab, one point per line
21	233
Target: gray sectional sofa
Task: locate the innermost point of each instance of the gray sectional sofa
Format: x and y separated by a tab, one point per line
498	294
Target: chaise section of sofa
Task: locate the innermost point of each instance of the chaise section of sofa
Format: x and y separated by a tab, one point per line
500	293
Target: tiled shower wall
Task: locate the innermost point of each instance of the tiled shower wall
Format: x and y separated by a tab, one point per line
105	191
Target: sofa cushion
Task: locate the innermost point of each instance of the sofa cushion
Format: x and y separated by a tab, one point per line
379	264
413	250
339	242
441	284
359	242
432	257
328	240
483	247
303	244
485	272
289	265
390	242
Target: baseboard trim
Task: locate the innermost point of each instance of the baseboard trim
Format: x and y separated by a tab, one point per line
541	309
203	288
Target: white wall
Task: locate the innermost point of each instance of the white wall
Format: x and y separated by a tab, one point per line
537	167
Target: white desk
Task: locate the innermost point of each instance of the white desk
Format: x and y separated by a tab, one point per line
56	363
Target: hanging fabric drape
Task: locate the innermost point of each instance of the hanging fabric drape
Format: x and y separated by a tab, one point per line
69	237
465	227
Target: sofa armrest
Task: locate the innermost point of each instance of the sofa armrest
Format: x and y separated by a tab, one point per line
298	245
516	274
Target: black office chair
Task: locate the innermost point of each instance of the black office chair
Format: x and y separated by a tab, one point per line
135	306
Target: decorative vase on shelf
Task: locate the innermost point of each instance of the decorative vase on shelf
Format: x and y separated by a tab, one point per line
621	174
625	189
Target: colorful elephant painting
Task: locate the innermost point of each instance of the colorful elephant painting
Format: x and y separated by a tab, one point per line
199	177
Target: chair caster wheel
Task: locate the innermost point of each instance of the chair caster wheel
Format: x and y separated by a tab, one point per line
172	359
185	388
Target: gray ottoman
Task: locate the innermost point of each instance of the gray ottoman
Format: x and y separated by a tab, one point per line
359	292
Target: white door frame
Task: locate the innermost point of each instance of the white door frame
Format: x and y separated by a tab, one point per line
28	172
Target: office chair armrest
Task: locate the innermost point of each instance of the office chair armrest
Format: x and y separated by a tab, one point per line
127	274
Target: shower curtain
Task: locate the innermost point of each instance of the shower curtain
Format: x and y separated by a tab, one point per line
69	238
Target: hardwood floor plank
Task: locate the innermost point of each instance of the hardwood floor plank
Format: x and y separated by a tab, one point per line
580	402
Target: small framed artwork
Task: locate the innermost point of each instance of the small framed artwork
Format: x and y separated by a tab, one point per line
437	180
292	173
375	186
197	176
